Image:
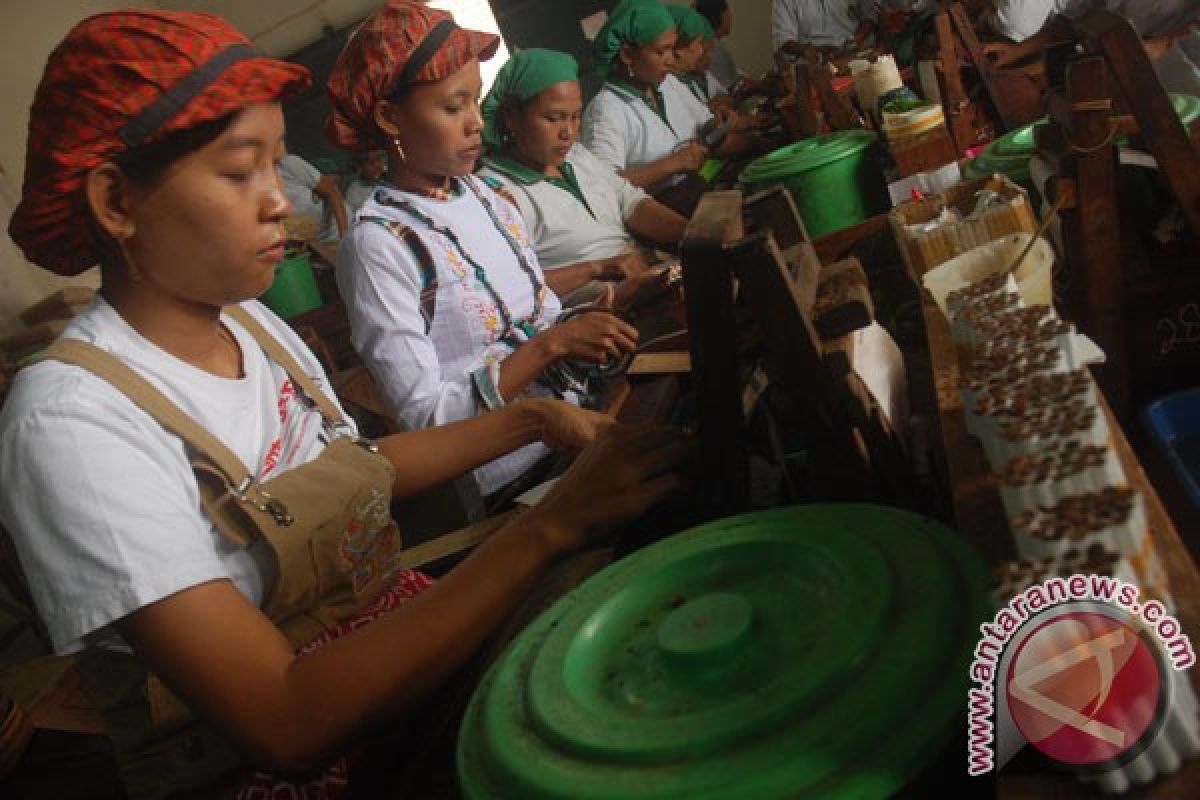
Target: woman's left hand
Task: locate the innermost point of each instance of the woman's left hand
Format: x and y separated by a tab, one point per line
649	284
564	426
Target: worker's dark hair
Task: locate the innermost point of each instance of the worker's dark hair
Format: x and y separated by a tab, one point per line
711	10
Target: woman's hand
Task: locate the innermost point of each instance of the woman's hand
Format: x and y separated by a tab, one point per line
614	481
626	265
689	157
563	426
1002	54
592	336
649	284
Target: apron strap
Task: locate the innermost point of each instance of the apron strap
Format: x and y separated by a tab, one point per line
148	398
280	355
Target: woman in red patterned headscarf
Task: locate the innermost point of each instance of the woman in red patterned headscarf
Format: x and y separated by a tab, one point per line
196	518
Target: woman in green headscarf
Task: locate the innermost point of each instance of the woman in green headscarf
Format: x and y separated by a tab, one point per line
633	125
581	214
694	38
694	43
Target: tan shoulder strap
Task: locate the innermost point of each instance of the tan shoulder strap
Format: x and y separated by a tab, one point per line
280	355
151	400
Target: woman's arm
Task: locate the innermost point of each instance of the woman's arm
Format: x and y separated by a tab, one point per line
328	190
566	279
292	714
654	221
688	157
431	456
595	337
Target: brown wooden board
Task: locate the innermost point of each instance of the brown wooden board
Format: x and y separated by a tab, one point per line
1143	94
979	516
713	343
774	209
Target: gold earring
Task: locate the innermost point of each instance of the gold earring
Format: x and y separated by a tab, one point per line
399	149
131	269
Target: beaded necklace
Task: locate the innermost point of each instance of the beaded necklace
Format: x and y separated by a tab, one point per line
528	325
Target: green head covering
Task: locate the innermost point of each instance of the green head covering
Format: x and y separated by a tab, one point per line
633	21
524	76
690	24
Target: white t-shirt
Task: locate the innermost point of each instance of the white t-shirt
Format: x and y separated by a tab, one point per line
356	194
723	67
100	500
300	178
1020	19
563	230
1179	67
431	378
622	130
822	23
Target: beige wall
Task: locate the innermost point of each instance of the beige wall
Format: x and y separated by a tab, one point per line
30	31
750	42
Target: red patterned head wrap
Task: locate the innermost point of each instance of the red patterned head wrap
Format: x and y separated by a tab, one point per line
399	44
119	81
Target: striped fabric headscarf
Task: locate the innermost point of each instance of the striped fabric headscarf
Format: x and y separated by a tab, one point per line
116	82
401	43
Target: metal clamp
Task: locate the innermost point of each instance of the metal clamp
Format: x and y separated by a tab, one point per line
264	501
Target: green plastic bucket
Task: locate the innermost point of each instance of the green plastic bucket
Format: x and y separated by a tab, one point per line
1012	152
294	290
1009	155
803	652
1187	107
834	179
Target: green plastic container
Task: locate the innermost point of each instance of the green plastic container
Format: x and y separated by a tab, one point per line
1009	155
810	651
1187	107
294	290
1012	152
834	178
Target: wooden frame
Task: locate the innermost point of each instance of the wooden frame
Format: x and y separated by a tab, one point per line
1014	95
1107	90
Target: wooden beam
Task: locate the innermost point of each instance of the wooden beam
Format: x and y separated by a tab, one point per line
1143	93
713	341
1095	290
774	209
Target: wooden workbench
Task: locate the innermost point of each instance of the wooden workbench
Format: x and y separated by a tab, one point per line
978	514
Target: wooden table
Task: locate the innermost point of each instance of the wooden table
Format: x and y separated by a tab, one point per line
978	514
968	499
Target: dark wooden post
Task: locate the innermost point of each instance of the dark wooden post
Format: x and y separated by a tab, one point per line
713	341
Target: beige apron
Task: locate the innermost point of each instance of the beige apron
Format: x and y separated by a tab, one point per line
329	525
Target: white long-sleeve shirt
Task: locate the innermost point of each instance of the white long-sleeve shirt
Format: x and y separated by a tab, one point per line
622	130
433	377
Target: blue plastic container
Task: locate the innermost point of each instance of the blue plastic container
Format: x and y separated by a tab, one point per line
1174	422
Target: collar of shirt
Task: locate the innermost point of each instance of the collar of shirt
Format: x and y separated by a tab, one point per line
510	167
626	89
698	84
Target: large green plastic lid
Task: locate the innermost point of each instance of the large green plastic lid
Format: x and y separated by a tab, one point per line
806	155
810	651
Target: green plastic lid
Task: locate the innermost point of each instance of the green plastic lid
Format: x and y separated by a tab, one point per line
1187	107
1020	143
806	155
810	651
